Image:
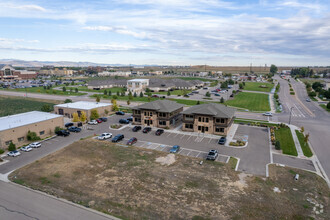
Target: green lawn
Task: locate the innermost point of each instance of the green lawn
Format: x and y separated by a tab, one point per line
250	101
255	86
284	136
247	121
85	89
187	101
51	91
16	105
304	146
175	92
325	107
125	98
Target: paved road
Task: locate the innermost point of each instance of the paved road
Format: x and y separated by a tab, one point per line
19	203
311	116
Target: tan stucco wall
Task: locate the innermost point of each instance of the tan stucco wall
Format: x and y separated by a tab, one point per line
47	126
69	111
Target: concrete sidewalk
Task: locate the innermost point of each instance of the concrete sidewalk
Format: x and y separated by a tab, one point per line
296	141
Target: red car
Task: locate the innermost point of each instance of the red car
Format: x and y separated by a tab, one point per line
131	141
99	121
155	96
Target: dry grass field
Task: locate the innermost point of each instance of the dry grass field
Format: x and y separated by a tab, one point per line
128	182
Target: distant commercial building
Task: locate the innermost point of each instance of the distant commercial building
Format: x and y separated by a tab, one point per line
104	84
137	85
160	113
7	72
67	109
208	118
57	72
156	73
15	128
106	73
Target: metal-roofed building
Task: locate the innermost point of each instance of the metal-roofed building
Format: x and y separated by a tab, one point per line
208	118
160	113
14	128
67	109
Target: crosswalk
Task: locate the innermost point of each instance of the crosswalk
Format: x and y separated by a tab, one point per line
296	111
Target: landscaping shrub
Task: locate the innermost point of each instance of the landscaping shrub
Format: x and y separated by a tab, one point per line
291	90
328	105
57	129
2	151
11	146
292	93
32	136
277	145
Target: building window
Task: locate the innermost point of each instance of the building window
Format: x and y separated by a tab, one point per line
189	117
199	128
162	114
162	122
145	113
217	120
206	119
8	142
20	139
137	119
189	126
42	132
220	130
222	120
150	113
199	119
206	128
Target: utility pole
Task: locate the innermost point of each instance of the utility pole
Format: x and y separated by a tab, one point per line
290	115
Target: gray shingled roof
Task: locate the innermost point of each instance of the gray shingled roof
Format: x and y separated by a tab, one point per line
216	110
122	82
160	106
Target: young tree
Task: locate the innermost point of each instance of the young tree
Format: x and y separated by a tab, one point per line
208	94
94	114
222	100
122	93
114	97
63	89
114	105
109	93
106	112
105	92
71	89
241	86
11	147
243	83
135	95
302	129
98	99
67	101
141	94
130	97
168	93
128	102
198	103
277	145
83	116
72	83
76	90
118	93
328	105
306	138
75	117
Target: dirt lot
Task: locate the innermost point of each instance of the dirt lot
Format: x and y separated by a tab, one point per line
128	182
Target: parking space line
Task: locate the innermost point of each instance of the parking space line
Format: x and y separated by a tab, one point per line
176	134
189	137
198	154
210	140
188	153
168	134
182	136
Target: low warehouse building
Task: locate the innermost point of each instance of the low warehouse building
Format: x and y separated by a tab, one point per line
15	128
68	109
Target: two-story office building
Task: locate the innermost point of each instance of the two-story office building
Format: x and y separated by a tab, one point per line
137	85
160	113
208	118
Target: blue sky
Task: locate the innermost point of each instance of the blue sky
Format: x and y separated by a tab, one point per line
168	32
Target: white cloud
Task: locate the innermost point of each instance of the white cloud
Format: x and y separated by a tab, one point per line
36	8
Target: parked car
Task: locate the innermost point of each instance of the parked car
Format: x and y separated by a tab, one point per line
308	100
104	119
216	94
212	155
63	133
35	145
232	95
79	124
136	128
222	140
68	124
155	96
93	122
120	113
175	149
104	136
14	153
117	138
131	141
130	119
146	129
123	121
159	132
74	129
267	114
26	148
205	88
99	120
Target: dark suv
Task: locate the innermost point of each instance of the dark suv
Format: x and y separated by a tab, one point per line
123	121
136	128
104	119
159	132
117	138
146	129
222	140
63	133
68	124
120	113
74	129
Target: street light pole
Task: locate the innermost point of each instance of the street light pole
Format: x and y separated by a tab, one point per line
290	115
